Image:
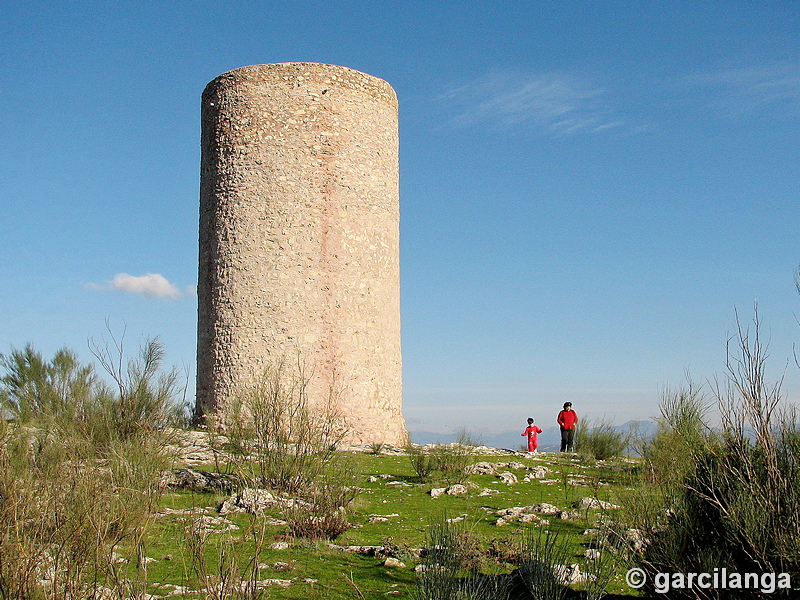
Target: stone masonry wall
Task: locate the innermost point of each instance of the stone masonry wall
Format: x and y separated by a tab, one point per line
299	239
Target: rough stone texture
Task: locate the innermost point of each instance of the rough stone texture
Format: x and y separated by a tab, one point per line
507	477
481	468
587	503
299	239
436	492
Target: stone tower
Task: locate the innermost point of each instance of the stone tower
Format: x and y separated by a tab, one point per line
299	239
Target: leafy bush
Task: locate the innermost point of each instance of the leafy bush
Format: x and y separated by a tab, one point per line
681	435
600	440
148	400
33	388
730	500
424	463
71	400
446	460
74	491
450	461
733	511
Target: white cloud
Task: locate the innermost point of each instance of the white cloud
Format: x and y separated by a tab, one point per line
557	104
151	285
754	90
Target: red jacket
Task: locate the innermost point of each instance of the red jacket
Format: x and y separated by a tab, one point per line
532	431
567	419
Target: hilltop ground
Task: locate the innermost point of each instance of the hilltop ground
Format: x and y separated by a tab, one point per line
505	495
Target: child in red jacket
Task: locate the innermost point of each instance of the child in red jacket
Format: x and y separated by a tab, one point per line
532	431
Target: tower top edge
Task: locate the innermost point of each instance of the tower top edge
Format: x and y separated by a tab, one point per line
310	72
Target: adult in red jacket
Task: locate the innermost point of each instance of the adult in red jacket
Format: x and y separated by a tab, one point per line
567	420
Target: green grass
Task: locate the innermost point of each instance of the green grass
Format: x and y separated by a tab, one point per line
316	570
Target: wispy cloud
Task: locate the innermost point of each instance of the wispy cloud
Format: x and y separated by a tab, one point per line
773	89
151	285
553	103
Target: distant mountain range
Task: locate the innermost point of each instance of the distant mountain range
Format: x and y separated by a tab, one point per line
549	440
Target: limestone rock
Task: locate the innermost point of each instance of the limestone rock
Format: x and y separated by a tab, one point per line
507	477
209	524
586	503
519	514
394	562
381	518
636	539
538	472
436	492
546	509
197	480
529	518
457	519
279	546
255	501
480	468
457	490
571	574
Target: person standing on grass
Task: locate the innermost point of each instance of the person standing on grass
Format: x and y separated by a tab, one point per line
532	431
567	420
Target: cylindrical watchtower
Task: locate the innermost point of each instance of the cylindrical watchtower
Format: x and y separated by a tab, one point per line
299	239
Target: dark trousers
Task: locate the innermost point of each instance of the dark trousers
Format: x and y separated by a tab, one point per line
567	440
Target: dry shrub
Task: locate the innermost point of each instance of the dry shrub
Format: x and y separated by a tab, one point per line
320	521
280	440
509	549
451	565
232	574
322	513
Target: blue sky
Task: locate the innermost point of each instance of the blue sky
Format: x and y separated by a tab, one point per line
589	190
